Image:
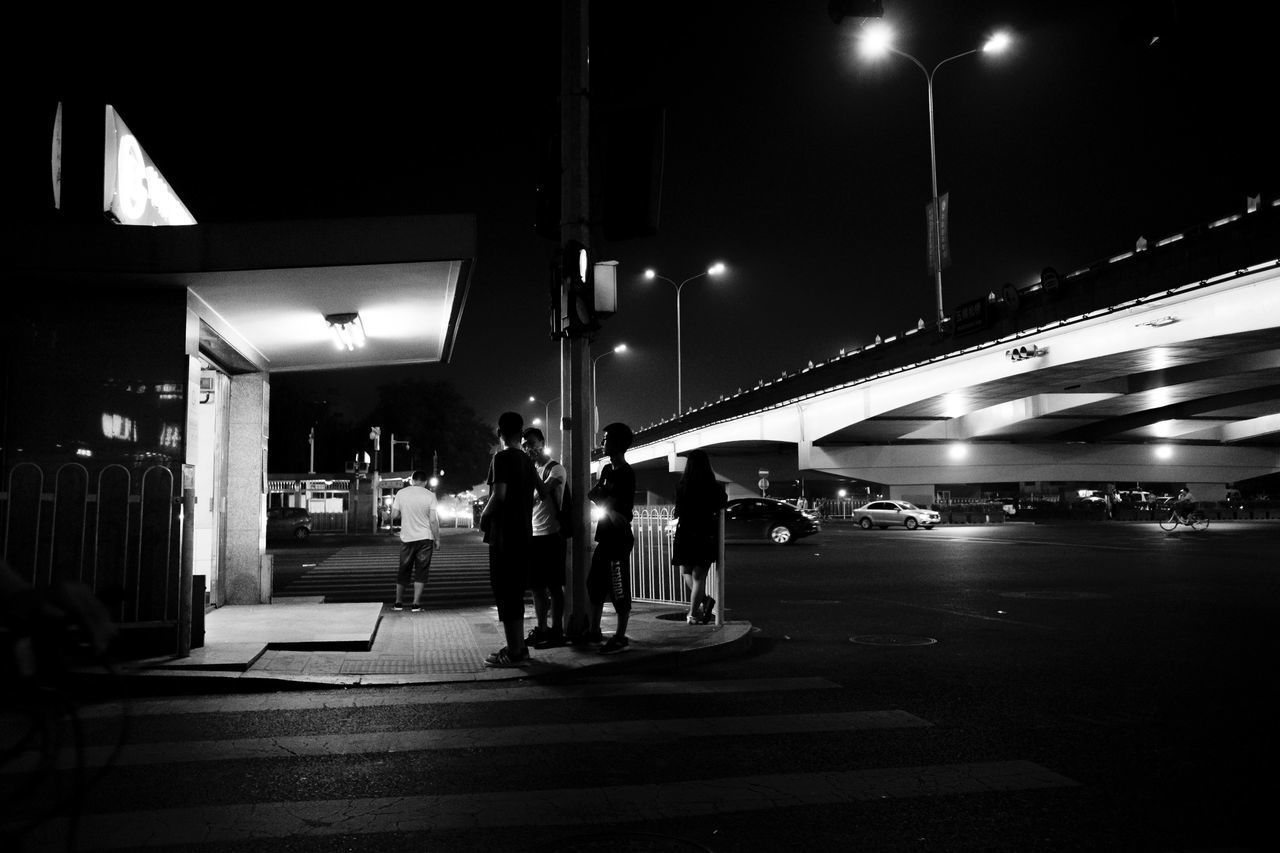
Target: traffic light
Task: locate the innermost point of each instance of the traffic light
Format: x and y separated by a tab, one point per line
573	294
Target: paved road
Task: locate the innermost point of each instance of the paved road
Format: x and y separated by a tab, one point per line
1088	688
363	568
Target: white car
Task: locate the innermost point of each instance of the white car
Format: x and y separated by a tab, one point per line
882	514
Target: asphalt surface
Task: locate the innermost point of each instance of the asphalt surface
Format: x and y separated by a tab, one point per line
986	688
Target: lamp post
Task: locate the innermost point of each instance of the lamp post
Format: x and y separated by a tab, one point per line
394	442
595	408
877	40
714	269
546	412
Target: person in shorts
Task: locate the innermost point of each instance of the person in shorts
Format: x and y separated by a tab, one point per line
507	523
419	515
609	578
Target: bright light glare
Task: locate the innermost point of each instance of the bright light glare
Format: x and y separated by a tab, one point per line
620	348
715	269
997	43
532	399
876	40
958	451
1164	451
649	274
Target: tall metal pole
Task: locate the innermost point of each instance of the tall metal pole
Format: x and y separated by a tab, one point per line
574	353
937	209
933	168
679	356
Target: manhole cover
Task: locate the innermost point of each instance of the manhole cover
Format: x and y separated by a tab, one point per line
628	843
1054	594
892	640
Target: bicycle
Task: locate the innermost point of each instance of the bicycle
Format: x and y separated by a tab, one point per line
1195	519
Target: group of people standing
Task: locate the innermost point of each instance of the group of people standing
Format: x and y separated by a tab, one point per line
522	524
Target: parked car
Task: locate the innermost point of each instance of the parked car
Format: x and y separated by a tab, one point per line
882	514
768	520
288	522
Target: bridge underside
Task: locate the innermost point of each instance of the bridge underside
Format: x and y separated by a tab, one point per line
1180	386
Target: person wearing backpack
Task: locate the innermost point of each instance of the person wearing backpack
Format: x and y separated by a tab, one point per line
546	558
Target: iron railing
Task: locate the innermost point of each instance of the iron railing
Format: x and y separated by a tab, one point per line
653	577
114	530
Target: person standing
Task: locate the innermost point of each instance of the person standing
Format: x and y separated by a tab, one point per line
507	523
418	510
546	555
609	577
699	499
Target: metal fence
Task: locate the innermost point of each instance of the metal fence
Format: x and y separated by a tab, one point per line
653	577
115	530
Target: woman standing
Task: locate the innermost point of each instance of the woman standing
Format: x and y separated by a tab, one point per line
699	499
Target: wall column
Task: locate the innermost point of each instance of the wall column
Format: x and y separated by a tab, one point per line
920	495
246	569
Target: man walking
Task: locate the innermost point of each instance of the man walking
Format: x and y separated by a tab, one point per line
417	509
609	577
507	522
546	559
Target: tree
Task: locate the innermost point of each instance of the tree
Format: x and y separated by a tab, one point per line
435	419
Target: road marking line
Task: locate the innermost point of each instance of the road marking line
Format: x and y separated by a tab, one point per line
444	695
558	807
362	743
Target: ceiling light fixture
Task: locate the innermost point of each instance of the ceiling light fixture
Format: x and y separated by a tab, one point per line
348	331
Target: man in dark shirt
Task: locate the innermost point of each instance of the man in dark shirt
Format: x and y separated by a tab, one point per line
507	522
609	577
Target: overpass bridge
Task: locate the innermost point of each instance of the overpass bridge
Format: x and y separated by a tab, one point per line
1157	365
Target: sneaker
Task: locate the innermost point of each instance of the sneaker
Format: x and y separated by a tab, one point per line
535	636
615	645
397	606
418	608
503	660
550	640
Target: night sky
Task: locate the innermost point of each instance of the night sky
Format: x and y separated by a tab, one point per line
802	167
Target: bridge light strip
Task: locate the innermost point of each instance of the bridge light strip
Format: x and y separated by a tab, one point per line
1058	324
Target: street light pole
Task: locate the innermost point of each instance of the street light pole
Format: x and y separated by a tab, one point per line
877	40
546	416
595	419
714	269
394	442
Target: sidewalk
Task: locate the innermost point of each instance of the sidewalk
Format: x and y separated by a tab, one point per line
312	644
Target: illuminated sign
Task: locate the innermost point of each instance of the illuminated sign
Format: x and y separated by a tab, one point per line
133	189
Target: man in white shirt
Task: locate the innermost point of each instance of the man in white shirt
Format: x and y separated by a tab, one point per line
546	557
416	507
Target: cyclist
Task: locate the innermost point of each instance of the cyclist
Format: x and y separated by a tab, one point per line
1185	503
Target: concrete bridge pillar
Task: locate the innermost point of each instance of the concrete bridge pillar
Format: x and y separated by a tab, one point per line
918	494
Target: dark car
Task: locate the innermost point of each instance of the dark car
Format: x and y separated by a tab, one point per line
767	520
288	522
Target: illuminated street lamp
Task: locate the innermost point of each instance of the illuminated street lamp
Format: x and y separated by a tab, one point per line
596	408
546	414
715	269
877	40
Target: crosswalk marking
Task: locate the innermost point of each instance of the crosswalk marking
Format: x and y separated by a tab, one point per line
557	807
359	743
444	695
459	569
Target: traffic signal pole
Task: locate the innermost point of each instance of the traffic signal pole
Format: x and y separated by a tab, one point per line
574	348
